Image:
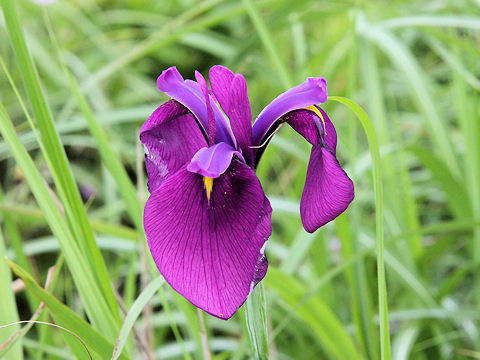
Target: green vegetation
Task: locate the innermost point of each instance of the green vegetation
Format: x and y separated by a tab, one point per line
395	277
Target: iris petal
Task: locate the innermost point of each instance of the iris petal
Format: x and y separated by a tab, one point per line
312	91
171	137
213	161
310	126
328	190
189	93
211	252
231	92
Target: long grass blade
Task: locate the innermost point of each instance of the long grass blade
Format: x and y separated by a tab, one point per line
8	306
66	317
54	151
133	314
367	125
83	275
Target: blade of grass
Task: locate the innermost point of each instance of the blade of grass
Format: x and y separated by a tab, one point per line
94	340
109	156
13	235
460	21
367	125
357	276
335	339
83	275
403	59
8	306
255	322
469	116
58	163
133	314
361	303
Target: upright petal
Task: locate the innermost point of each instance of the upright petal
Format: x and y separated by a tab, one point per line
328	190
189	93
210	250
211	121
231	92
221	80
312	91
171	137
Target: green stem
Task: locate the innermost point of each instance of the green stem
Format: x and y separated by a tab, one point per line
255	321
367	125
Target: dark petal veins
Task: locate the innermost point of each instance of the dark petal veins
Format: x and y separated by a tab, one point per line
171	137
210	252
328	190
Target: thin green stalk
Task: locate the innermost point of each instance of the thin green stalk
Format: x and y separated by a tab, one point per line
255	313
13	235
367	125
469	125
8	307
361	299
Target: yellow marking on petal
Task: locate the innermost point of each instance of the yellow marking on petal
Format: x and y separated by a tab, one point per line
316	111
221	315
208	182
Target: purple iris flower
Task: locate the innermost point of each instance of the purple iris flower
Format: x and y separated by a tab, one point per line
207	220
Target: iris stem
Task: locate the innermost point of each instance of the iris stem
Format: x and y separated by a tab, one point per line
367	125
255	321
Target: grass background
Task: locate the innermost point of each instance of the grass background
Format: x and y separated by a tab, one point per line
78	80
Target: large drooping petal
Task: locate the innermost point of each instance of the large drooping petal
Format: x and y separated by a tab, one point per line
328	190
312	91
210	250
171	136
189	93
213	161
231	92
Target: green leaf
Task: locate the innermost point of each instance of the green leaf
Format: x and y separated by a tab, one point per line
362	116
68	192
8	307
255	322
65	317
329	330
133	314
97	308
